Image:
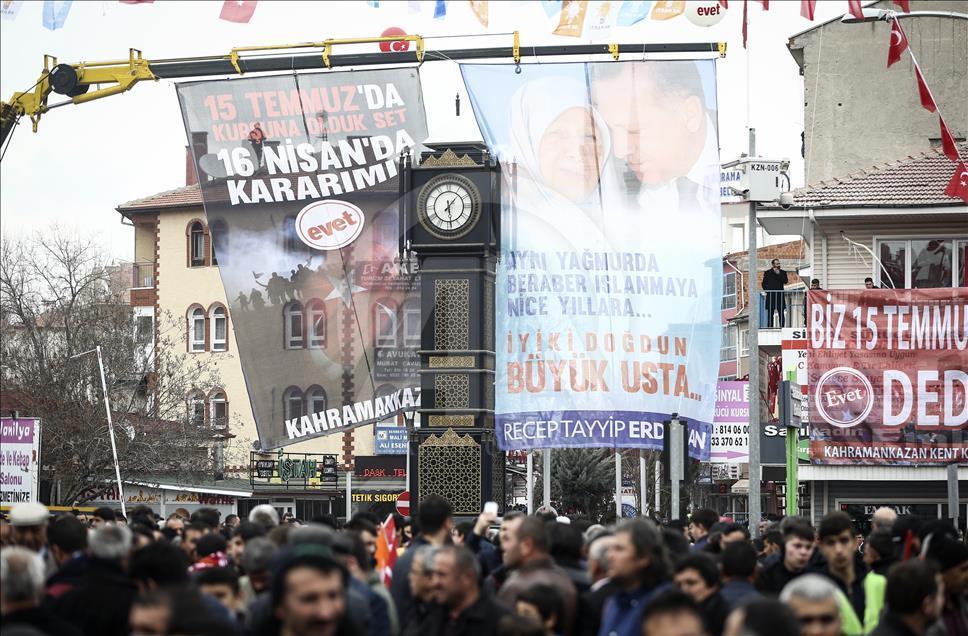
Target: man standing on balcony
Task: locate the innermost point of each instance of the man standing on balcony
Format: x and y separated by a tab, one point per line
774	280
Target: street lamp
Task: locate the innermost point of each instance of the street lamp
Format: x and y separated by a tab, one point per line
107	409
878	15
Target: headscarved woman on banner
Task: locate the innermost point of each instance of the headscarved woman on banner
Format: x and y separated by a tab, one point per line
560	145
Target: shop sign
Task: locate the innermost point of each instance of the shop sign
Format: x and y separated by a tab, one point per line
198	498
381	496
380	466
390	439
19	460
293	470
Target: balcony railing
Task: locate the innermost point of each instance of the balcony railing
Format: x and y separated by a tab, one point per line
786	308
142	275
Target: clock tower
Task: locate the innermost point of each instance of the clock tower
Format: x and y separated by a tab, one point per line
450	222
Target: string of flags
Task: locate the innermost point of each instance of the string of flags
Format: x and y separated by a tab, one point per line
591	18
898	44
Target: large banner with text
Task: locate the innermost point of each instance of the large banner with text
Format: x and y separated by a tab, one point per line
888	376
298	175
609	288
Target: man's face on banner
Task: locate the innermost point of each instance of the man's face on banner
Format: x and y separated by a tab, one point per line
659	134
570	154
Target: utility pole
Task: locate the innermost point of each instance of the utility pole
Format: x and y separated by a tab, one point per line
618	483
546	470
954	503
754	364
676	461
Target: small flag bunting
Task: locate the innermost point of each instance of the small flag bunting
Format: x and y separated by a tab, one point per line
958	186
927	99
55	13
899	43
948	141
238	10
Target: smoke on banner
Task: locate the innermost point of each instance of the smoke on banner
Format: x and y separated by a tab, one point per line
299	180
608	311
888	378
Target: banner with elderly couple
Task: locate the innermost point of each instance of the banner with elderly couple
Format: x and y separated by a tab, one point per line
888	373
299	180
609	288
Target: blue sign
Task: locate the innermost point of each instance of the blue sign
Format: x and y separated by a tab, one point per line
390	439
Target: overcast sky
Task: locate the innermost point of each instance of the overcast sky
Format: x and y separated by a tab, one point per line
87	159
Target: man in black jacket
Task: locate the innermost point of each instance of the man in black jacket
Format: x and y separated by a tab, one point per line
914	598
792	560
436	520
21	588
461	608
774	281
698	576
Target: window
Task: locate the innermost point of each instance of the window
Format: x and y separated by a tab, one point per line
220	323
220	242
293	403
196	245
294	325
729	291
196	410
196	330
219	410
316	397
727	350
385	318
744	341
316	316
411	324
931	263
290	239
144	330
962	255
922	263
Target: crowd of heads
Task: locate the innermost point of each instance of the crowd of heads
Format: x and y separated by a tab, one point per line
199	574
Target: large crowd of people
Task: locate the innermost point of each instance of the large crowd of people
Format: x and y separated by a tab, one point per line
518	575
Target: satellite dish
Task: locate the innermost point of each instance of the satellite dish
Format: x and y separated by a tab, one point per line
212	166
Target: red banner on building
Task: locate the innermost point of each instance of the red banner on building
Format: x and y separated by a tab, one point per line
888	377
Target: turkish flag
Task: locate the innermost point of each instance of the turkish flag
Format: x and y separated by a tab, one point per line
853	6
899	43
948	142
904	4
766	4
927	99
807	7
958	186
745	22
238	10
724	4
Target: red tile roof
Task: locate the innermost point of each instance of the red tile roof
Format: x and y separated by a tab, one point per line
186	196
914	181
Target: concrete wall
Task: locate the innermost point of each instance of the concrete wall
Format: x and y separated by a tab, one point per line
857	112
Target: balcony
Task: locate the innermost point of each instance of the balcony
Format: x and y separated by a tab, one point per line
142	290
788	309
143	275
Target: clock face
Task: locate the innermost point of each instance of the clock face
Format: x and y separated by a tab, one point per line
449	206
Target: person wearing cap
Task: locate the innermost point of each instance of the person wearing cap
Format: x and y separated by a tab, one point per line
29	522
952	558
